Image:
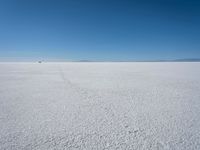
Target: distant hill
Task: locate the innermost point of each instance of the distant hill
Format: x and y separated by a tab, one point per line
85	61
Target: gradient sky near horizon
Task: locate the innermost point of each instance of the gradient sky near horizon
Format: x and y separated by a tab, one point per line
102	30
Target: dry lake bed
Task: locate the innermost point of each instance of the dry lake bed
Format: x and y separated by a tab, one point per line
139	106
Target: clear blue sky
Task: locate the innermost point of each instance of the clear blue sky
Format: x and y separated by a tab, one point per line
108	30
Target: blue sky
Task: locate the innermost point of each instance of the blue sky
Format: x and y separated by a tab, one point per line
102	30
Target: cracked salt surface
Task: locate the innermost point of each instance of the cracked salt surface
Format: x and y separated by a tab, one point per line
99	106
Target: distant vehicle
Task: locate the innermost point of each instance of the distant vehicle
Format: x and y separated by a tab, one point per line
39	62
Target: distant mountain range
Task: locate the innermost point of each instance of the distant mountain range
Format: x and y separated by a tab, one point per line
188	60
173	60
55	60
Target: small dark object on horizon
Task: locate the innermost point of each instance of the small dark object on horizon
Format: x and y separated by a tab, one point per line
39	62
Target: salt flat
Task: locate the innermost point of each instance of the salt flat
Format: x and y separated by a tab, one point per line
100	106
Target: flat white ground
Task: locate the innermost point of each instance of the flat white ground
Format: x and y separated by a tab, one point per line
99	106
